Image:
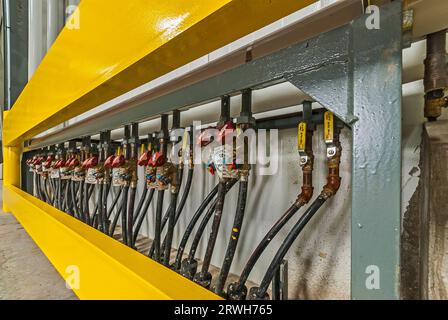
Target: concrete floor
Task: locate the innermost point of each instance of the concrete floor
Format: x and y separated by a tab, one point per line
25	272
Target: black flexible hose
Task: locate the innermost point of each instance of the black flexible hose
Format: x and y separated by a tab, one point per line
158	225
37	185
59	201
49	200
124	205
234	237
287	243
130	218
143	215
170	231
87	193
114	203
215	227
185	194
65	203
50	190
41	190
140	203
191	225
80	201
204	222
200	231
178	210
117	215
169	210
103	211
73	197
97	218
264	243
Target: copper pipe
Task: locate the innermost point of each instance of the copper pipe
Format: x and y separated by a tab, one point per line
436	75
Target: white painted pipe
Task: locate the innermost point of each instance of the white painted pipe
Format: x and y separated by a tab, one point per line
35	36
54	22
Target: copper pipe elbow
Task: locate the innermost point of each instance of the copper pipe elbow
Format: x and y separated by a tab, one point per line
307	171
333	178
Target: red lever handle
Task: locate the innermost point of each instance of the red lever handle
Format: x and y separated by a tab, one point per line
47	163
74	162
227	129
144	159
118	161
157	160
90	163
204	138
60	164
109	161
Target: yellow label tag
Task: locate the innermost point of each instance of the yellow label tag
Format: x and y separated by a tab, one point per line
142	148
149	147
328	126
301	136
185	141
118	151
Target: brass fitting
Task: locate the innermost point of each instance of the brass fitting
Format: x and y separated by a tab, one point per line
244	173
307	172
133	172
333	162
433	107
436	75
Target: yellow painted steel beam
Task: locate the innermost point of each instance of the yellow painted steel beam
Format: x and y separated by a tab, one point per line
11	167
120	45
107	269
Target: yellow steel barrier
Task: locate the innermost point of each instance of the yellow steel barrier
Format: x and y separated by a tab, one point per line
107	269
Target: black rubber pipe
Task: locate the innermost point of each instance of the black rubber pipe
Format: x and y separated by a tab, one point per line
169	210
130	218
140	203
204	222
97	218
170	231
114	203
47	196
191	225
74	202
158	225
286	245
88	190
178	210
103	211
234	237
143	215
263	245
215	227
124	205
117	216
185	194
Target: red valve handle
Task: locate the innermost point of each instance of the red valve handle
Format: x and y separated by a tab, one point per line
144	159
109	161
225	130
74	162
38	160
204	138
90	163
118	161
211	169
48	161
59	164
157	160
